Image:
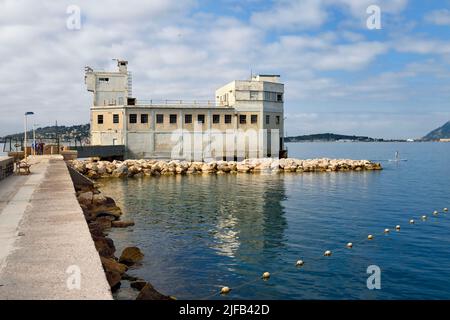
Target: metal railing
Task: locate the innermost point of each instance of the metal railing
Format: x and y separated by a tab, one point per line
178	103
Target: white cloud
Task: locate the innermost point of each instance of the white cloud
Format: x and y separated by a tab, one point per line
439	17
178	52
291	15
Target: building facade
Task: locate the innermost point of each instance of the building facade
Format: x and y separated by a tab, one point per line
246	119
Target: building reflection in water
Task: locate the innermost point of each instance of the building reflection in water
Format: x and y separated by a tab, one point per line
210	223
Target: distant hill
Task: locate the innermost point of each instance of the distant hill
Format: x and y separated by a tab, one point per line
329	137
439	133
65	133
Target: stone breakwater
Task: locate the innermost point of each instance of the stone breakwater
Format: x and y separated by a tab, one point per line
135	168
101	215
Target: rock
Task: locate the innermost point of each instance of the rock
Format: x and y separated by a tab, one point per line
138	284
99	199
102	211
110	264
104	222
149	293
113	279
131	255
127	277
85	198
122	224
96	229
243	168
105	246
121	171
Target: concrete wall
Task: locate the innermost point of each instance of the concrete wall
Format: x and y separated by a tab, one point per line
6	167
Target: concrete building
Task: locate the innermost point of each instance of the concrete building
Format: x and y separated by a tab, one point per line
246	119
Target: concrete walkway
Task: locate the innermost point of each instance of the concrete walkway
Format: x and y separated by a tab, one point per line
44	238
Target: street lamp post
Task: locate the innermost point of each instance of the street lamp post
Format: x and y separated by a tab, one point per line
29	113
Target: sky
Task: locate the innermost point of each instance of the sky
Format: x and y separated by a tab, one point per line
340	76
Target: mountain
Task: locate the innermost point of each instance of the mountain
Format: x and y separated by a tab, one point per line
329	137
64	133
439	133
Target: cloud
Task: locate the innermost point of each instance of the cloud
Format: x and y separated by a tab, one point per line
439	17
179	50
311	14
291	15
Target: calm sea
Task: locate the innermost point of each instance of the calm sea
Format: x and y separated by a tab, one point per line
199	233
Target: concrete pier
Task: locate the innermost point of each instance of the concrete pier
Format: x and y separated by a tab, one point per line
44	238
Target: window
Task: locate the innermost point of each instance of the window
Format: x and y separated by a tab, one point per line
144	118
201	118
254	118
242	119
115	118
103	79
216	118
133	118
253	95
279	97
120	100
173	118
278	119
100	119
188	118
267	119
273	96
159	118
228	118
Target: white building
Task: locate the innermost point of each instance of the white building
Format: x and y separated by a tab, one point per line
246	117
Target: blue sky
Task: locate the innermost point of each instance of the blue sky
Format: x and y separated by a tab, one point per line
339	76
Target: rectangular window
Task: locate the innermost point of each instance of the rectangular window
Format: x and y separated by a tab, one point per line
267	119
159	118
121	101
254	118
278	119
253	95
100	119
228	118
242	119
103	79
133	118
188	118
144	118
115	118
201	118
216	118
279	97
173	118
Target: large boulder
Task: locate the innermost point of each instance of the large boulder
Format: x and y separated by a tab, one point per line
243	168
121	171
131	255
85	198
150	293
122	224
113	279
110	264
105	246
99	199
138	284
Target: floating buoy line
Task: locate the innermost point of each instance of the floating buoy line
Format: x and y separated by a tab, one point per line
300	263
